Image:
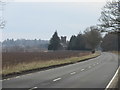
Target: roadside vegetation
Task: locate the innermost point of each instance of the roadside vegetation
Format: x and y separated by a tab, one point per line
33	60
116	52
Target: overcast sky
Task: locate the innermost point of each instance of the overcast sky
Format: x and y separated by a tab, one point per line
58	0
40	20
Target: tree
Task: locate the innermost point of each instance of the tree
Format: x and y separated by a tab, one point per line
110	42
80	44
72	43
110	16
54	42
93	36
76	43
110	19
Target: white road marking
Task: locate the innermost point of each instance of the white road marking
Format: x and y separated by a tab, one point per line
56	79
17	77
10	78
1	80
33	88
7	79
97	63
108	86
82	69
72	73
89	67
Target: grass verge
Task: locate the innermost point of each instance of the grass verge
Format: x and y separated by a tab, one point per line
116	52
115	83
22	67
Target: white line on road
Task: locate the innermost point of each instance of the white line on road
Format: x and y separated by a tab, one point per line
10	78
17	77
89	67
97	63
82	69
72	73
7	79
108	86
33	88
56	79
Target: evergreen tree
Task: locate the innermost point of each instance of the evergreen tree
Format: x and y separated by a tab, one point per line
80	44
76	43
54	42
72	43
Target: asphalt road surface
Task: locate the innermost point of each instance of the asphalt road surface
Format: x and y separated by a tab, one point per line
93	73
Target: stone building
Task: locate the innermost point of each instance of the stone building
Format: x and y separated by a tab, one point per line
63	43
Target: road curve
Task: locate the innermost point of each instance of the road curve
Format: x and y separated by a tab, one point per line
93	73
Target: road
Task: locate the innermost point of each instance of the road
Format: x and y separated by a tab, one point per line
93	73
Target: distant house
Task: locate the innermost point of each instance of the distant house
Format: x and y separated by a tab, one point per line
63	43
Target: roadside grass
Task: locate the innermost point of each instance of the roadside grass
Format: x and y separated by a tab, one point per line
115	83
116	52
40	64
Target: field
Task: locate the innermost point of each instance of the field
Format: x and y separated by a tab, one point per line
21	61
12	58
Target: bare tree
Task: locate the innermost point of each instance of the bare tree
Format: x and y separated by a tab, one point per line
93	36
110	16
110	19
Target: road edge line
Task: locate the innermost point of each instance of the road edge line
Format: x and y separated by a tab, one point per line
109	84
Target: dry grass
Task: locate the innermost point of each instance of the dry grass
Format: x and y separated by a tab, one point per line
116	52
13	58
40	64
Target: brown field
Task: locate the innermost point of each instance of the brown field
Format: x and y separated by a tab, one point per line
13	62
13	58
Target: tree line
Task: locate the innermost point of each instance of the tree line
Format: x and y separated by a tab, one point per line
24	45
91	38
110	23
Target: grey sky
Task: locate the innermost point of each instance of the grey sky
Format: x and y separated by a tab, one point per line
39	20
